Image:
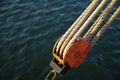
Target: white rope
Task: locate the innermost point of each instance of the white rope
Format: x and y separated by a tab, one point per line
82	29
100	20
86	36
80	23
116	13
73	26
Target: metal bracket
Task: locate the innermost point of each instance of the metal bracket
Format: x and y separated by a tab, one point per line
58	67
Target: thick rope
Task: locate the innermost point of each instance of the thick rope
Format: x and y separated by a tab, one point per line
87	35
82	29
116	13
101	19
81	22
73	26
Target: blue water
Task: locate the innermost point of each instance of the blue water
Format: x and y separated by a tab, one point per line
29	29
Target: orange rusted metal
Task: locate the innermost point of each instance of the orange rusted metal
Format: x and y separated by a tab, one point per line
58	58
77	53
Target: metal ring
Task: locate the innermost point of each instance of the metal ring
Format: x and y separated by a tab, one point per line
50	73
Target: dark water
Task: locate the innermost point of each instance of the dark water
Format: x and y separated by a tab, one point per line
29	29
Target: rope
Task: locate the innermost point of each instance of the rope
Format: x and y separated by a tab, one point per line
80	23
83	28
116	13
73	26
99	21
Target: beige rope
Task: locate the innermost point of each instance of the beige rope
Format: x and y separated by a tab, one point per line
73	26
82	28
80	23
116	13
98	22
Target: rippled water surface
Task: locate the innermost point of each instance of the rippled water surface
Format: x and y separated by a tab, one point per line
29	29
